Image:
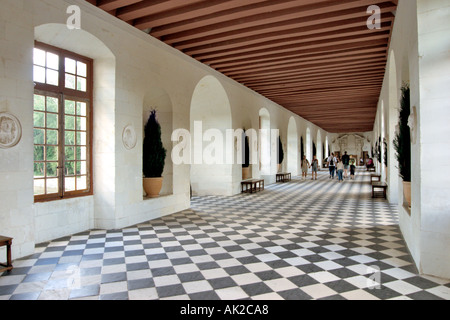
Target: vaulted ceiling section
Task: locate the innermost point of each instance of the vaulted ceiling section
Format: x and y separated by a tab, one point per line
317	58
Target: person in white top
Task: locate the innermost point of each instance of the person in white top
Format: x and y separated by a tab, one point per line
332	165
340	170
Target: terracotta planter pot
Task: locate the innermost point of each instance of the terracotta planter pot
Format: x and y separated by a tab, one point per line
407	192
152	186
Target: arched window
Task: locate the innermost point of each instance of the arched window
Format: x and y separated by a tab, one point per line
62	123
265	150
292	147
308	144
210	119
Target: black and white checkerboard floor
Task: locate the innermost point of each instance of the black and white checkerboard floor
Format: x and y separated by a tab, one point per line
298	240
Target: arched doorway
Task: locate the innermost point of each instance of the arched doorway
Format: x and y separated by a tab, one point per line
319	154
264	143
308	145
392	170
292	147
382	142
210	117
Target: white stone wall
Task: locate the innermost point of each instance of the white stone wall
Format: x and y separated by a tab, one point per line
16	97
433	144
419	54
54	220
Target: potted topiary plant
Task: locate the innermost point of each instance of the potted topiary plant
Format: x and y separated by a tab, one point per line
402	143
280	153
379	150
154	157
302	148
246	172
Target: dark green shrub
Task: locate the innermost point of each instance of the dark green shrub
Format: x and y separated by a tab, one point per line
280	151
402	140
154	154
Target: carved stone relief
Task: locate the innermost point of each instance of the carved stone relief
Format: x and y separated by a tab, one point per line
10	130
129	137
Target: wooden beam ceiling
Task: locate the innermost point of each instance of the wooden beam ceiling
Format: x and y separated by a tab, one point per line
316	58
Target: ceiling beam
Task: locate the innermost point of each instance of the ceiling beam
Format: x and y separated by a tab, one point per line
244	11
190	10
314	14
250	53
300	64
292	31
315	49
293	40
299	71
302	57
336	73
109	5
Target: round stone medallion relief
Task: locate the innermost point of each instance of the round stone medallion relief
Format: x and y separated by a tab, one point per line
129	137
10	130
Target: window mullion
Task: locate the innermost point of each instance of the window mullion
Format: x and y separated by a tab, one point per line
62	77
61	126
61	143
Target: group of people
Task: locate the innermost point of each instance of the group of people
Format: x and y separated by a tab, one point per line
314	165
337	166
341	166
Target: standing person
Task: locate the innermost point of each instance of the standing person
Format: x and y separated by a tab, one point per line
305	166
369	164
352	169
332	165
346	163
340	169
315	168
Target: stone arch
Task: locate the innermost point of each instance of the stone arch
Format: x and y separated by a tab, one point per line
210	117
252	139
381	139
319	151
308	144
393	102
292	147
264	143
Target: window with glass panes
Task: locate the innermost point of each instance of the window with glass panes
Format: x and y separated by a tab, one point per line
62	124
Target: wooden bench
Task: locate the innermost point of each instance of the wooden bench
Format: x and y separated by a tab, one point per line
252	185
375	176
379	185
283	177
5	241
